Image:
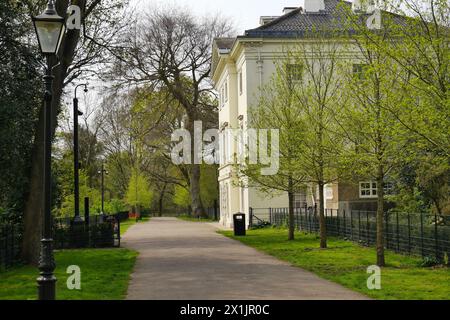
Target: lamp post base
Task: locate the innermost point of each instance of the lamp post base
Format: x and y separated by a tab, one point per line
46	288
47	280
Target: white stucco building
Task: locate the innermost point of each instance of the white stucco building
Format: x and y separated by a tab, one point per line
240	67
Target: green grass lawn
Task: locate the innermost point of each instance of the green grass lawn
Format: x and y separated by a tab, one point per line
104	276
346	263
125	225
193	219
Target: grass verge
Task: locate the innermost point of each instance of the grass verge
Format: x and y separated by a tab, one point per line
105	274
346	263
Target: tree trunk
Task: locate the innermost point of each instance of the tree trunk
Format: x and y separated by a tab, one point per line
160	207
437	205
194	173
160	201
196	202
291	211
138	210
320	164
322	222
380	218
33	209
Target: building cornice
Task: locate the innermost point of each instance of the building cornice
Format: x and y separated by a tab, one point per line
243	42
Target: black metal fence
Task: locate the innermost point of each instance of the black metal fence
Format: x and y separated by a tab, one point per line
98	232
213	213
10	241
414	234
122	216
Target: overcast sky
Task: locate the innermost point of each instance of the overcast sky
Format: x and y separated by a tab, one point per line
244	13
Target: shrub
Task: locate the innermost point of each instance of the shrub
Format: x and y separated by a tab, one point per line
261	225
428	262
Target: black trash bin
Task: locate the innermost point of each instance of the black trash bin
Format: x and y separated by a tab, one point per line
239	224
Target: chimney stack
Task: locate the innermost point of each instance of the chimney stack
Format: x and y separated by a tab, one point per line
313	6
266	19
287	10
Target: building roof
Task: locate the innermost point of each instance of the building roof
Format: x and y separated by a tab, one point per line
297	23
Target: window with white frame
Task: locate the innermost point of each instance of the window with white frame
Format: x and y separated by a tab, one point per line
369	189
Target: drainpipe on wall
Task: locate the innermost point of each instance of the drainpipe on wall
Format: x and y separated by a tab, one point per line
260	64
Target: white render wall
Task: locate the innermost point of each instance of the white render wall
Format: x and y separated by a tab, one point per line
256	60
257	67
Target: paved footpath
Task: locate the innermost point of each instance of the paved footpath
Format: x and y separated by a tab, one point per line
189	261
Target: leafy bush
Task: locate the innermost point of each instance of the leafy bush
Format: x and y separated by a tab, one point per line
428	262
139	192
9	215
115	205
262	225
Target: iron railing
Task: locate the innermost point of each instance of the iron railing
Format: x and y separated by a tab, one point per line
10	242
414	234
97	232
212	213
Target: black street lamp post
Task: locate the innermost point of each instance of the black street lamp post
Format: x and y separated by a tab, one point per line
103	172
76	160
49	28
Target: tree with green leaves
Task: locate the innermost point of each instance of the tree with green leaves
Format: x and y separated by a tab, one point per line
319	98
80	52
171	50
135	131
421	47
208	189
90	182
181	196
139	195
398	120
422	50
372	88
19	105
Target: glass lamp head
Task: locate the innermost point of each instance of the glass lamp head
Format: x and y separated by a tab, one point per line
49	27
